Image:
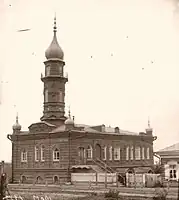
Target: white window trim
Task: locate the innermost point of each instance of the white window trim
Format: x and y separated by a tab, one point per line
105	153
36	154
132	153
46	95
91	153
127	153
22	156
42	151
110	153
118	151
148	153
143	153
137	153
54	152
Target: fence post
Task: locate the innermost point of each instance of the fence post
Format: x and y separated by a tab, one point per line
96	178
105	176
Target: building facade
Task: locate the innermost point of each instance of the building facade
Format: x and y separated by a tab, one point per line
169	159
56	146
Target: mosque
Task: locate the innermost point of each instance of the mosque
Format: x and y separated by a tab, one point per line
56	146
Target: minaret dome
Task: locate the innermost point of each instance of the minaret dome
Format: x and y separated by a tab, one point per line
16	126
54	51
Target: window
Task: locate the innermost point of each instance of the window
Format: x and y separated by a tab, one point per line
127	153
46	95
173	174
117	153
36	154
148	153
24	156
143	153
137	153
42	153
60	69
60	96
89	152
132	153
104	153
56	155
110	153
48	71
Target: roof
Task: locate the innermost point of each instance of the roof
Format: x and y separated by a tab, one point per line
174	147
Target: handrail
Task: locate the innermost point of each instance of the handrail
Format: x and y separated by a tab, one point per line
103	167
107	166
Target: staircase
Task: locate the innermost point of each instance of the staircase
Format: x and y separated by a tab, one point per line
103	166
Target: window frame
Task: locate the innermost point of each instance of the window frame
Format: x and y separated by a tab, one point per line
56	152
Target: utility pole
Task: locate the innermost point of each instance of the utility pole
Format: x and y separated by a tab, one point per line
178	190
69	155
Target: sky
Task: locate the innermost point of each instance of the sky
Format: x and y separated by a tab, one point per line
121	58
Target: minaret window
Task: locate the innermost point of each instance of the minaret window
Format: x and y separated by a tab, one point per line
42	153
60	98
36	154
46	95
110	153
56	155
60	70
137	153
24	156
48	71
132	153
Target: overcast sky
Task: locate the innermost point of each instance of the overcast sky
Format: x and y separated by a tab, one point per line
122	58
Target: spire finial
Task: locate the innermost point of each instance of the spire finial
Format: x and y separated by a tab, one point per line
17	118
69	113
148	122
55	27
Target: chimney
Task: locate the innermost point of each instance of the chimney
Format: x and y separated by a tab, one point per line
116	130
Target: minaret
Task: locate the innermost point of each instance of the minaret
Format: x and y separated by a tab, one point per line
149	130
54	83
16	127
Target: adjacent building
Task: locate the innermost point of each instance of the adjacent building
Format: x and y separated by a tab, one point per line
56	146
169	159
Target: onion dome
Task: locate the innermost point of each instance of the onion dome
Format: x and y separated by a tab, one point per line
69	121
54	51
16	126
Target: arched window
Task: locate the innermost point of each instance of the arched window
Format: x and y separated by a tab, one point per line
89	152
117	153
60	96
110	153
143	153
48	70
42	153
23	179
137	153
127	153
46	95
148	153
56	155
132	152
36	154
55	179
24	156
104	153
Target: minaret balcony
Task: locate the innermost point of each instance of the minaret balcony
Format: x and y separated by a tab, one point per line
54	77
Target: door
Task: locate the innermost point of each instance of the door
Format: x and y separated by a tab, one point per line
98	151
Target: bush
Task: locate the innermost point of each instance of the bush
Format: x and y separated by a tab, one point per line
112	194
161	194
